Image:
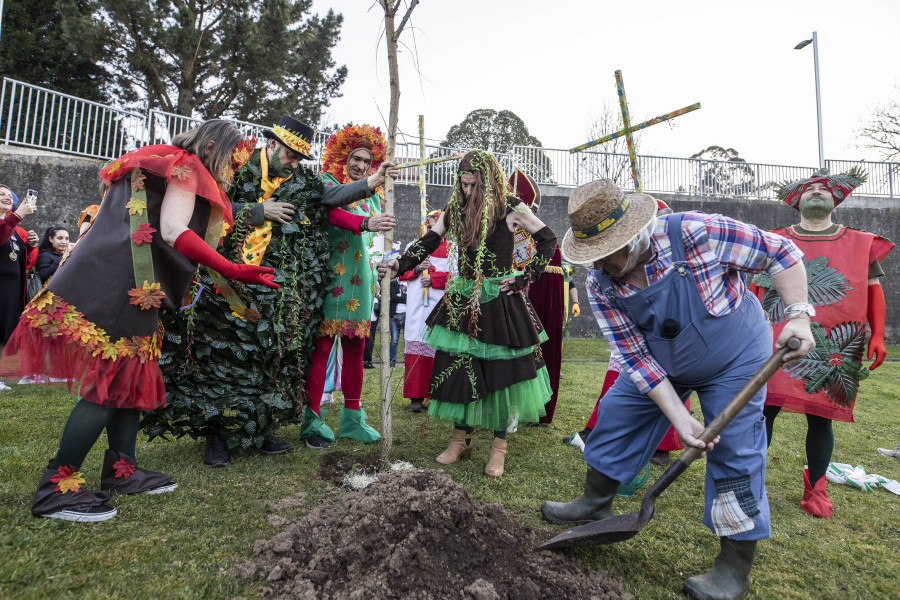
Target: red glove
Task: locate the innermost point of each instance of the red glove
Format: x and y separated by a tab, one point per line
875	315
190	244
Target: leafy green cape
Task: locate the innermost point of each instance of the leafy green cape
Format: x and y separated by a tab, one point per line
239	378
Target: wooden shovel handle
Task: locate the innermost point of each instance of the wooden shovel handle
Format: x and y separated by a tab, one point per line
741	399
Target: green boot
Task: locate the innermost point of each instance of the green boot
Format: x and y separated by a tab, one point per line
595	504
729	577
353	425
314	425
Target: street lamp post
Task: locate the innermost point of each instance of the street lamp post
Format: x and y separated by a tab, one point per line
815	43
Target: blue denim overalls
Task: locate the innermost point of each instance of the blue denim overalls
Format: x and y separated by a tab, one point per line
712	356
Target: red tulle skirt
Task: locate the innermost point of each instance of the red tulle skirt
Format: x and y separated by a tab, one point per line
123	382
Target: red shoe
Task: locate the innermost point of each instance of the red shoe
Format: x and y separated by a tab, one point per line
815	499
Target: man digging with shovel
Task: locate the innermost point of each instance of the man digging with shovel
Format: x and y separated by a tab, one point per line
669	297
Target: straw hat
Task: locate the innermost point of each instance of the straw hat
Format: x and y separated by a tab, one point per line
604	219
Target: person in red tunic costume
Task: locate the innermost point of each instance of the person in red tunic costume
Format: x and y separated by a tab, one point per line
843	270
96	323
425	287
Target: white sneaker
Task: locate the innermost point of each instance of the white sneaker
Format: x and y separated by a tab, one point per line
169	487
93	514
3	386
895	453
29	379
327	398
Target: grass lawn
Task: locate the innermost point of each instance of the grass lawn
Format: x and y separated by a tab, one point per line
181	545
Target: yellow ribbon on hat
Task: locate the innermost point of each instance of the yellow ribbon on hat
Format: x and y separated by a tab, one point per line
258	240
294	141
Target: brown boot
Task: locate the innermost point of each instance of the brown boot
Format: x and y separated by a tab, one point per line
121	475
460	448
496	456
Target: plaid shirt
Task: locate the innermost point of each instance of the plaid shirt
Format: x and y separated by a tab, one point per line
716	249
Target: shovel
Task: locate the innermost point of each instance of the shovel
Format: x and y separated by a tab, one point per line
623	527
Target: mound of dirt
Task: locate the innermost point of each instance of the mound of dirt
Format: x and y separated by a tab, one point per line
419	535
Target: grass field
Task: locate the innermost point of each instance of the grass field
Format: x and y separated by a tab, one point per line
182	545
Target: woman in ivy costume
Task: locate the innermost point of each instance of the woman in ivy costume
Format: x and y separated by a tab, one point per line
236	380
96	322
488	366
350	154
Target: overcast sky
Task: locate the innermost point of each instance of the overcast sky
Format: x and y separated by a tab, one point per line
552	62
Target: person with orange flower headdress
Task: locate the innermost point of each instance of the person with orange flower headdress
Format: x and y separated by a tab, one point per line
843	270
350	155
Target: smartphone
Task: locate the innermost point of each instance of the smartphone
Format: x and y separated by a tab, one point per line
31	194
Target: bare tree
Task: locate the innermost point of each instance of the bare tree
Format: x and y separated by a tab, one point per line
608	160
882	131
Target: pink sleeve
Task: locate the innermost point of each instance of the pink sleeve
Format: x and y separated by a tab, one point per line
439	279
345	220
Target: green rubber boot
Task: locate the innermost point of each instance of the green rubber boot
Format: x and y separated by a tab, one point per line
595	504
314	425
628	490
353	425
729	577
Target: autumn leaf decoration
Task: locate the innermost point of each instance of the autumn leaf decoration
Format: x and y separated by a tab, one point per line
123	469
835	364
340	269
147	296
352	305
182	172
343	245
143	233
337	291
137	180
356	280
136	206
67	479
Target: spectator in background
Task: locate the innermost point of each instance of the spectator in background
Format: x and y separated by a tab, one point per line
17	253
370	339
398	299
50	251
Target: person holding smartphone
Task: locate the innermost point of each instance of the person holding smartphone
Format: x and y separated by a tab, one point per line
17	253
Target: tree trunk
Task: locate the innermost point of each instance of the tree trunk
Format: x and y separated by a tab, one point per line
387	441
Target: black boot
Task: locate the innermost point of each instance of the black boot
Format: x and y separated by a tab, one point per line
595	504
216	452
729	578
121	475
415	405
60	496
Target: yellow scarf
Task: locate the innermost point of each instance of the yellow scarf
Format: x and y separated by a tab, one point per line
258	240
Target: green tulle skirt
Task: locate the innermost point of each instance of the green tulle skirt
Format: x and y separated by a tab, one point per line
523	400
455	343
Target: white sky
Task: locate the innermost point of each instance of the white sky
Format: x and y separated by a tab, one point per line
552	62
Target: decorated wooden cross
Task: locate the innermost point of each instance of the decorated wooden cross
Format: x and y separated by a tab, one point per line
628	129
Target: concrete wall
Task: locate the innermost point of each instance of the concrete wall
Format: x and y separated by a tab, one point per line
66	184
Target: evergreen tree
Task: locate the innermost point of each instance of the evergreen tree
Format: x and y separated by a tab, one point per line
236	58
495	131
34	49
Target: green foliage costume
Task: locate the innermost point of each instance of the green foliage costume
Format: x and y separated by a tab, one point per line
243	379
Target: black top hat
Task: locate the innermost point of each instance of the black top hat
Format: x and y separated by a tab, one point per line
294	134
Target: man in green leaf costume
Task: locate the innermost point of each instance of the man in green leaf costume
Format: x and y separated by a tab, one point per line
843	270
236	380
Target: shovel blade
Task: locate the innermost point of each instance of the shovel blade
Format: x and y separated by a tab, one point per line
605	531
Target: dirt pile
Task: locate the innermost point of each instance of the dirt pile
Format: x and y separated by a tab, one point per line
419	535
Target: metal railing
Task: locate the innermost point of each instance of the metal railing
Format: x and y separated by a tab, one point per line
37	117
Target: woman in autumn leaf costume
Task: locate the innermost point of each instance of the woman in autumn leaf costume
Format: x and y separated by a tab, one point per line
96	322
351	154
488	367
